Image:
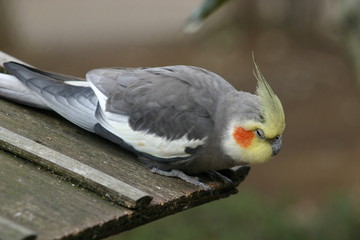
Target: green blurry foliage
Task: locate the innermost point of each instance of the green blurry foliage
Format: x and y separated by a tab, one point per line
249	215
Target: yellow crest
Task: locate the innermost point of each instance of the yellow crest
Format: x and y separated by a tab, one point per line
271	108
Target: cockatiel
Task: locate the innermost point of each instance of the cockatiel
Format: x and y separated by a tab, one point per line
176	119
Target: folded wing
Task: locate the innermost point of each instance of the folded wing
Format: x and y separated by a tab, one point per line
165	112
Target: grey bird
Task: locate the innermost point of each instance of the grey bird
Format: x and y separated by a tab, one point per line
178	120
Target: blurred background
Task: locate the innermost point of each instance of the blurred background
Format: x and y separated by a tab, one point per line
307	50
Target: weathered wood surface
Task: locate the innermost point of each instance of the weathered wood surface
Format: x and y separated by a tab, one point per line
13	231
61	185
50	206
112	188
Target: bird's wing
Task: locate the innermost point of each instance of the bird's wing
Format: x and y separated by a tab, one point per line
61	93
163	112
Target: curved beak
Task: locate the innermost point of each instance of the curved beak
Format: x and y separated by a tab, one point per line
276	145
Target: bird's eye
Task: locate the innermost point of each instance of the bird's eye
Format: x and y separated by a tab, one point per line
260	133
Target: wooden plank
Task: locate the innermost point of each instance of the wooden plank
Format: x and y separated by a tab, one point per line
10	230
55	208
101	183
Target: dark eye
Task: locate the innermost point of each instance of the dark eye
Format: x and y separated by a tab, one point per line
260	133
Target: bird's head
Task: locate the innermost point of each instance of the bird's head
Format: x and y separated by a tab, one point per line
255	134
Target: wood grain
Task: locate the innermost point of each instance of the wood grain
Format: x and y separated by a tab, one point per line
13	231
89	177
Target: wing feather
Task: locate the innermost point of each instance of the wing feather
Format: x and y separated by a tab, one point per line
75	103
170	102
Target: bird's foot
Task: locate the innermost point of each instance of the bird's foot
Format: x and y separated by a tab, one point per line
215	175
237	174
179	174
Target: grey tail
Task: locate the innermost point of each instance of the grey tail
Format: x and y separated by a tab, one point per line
12	89
75	103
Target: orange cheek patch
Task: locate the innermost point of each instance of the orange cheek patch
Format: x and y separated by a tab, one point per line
243	137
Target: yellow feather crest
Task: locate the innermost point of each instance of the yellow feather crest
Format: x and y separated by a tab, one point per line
272	110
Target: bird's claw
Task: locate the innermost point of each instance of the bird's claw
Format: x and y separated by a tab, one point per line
180	174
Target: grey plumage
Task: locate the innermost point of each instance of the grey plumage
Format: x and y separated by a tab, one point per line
185	109
169	102
77	104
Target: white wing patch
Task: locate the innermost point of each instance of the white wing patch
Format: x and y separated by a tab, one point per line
151	143
147	142
78	83
91	76
141	140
